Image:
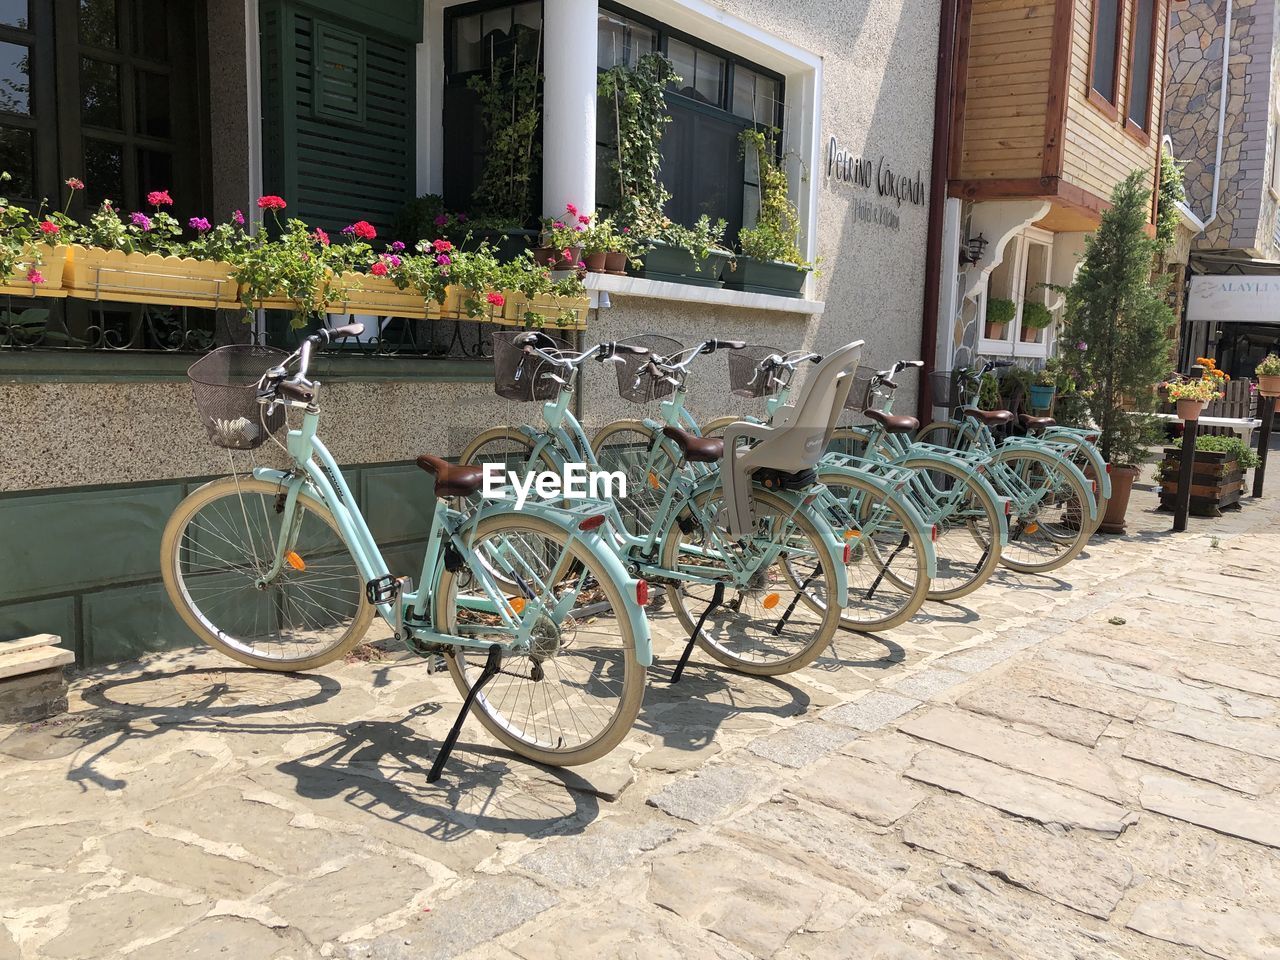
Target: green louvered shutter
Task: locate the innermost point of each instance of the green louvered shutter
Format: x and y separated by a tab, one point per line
339	108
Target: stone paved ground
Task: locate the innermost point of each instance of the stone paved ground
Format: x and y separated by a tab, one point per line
1077	766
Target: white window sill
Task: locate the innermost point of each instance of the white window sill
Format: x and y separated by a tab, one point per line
598	283
1001	348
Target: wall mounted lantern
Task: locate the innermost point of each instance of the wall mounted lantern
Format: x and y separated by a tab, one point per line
971	252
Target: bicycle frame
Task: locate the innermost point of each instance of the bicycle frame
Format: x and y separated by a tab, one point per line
318	469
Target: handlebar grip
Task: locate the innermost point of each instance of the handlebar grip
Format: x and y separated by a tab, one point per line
889	383
295	391
912	363
350	330
1001	363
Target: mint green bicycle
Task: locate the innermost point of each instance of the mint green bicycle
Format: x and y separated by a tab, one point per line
540	625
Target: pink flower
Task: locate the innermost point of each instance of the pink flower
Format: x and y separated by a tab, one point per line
48	227
443	259
581	265
442	220
160	198
397	247
379	269
34	276
321	237
584	219
394	260
462	218
626	229
580	227
75	183
559	225
271	202
496	299
442	246
198	224
1082	345
141	220
571	209
238	217
565	254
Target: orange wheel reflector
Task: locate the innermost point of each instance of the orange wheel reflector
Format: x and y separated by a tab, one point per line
653	480
517	604
295	561
771	601
1032	528
852	534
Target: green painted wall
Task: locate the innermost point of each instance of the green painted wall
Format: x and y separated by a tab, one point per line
84	563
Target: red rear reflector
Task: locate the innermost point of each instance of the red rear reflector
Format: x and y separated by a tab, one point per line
848	552
1108	468
591	522
1008	508
642	592
933	533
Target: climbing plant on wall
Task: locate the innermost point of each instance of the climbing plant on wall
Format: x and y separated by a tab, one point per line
638	96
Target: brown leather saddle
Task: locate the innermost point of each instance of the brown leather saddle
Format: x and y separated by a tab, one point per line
992	418
695	449
893	424
452	480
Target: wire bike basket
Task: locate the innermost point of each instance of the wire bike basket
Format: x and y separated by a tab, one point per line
635	382
748	377
860	397
225	385
525	377
950	388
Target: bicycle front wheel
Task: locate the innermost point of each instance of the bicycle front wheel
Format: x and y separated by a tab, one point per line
216	553
888	568
574	694
968	525
1050	522
634	449
778	621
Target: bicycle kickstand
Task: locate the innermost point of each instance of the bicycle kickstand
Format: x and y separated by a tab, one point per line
491	669
717	598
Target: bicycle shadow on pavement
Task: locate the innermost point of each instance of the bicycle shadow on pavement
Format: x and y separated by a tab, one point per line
853	648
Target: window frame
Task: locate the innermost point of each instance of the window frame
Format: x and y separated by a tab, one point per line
1142	134
1092	94
1015	346
1273	143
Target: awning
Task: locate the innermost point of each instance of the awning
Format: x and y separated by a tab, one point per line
1234	298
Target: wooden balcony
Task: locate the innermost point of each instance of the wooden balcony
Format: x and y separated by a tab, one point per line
1027	123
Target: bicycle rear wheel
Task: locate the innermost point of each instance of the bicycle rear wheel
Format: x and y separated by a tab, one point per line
1050	522
778	622
633	448
968	525
888	571
215	553
576	692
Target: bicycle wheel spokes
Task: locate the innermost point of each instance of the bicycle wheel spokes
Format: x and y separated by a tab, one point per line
219	553
967	524
565	692
1050	523
775	617
648	467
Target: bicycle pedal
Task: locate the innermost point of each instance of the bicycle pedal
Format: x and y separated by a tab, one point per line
436	663
382	590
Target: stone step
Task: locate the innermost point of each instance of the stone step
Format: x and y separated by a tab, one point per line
28	643
32	659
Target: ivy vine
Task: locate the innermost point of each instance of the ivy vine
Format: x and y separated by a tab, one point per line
1171	194
510	111
776	233
639	100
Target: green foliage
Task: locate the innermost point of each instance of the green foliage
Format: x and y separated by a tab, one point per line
639	113
776	233
1000	311
1269	367
700	239
1036	316
510	110
1171	194
1233	446
294	265
989	392
1116	312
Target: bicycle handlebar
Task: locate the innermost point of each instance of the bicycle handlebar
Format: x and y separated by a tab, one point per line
298	388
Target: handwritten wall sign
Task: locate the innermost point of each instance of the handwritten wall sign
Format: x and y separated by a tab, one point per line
866	174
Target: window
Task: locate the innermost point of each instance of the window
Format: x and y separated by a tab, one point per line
718	96
481	38
1104	56
1142	63
1021	278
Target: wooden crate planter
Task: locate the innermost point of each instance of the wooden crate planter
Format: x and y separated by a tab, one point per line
95	274
52	268
1217	483
513	310
377	296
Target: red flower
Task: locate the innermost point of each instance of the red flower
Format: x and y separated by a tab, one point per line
442	246
160	198
584	219
271	202
34	276
75	183
566	254
379	269
363	229
322	238
496	299
48	227
571	209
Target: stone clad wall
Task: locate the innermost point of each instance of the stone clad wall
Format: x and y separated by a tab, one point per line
1246	208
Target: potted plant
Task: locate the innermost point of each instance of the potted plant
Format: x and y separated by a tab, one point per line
635	101
561	238
1035	317
1123	331
999	314
680	254
1042	389
605	248
770	260
293	271
1268	372
1217	478
1192	396
33	249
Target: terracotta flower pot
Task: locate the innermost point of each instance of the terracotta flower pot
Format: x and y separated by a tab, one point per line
615	263
995	331
1029	334
1269	386
1122	479
1190	409
595	262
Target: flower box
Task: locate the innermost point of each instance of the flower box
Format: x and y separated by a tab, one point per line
678	265
513	310
361	293
93	273
765	276
1217	482
52	268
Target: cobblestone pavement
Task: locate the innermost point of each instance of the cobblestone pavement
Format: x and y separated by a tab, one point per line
1076	766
